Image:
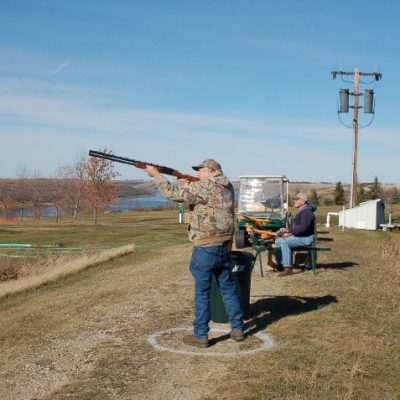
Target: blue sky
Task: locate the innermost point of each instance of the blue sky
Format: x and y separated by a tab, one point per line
175	82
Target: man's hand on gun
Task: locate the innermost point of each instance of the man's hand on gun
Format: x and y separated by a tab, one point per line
284	232
152	171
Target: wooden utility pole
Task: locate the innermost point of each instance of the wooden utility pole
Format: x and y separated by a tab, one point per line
356	107
353	190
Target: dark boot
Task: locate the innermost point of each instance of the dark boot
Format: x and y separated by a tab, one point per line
196	342
286	272
237	336
277	268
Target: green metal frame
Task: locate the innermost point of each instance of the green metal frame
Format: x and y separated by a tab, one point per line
311	255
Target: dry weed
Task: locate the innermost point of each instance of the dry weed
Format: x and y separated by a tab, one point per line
8	271
390	256
50	270
16	268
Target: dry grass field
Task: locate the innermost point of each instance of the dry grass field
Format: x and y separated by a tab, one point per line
85	336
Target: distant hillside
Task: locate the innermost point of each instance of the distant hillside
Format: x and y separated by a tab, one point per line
131	188
325	190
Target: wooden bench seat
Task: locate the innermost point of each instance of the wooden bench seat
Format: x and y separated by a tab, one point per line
312	251
311	261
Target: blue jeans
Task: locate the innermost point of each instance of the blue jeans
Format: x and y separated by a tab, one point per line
284	248
206	261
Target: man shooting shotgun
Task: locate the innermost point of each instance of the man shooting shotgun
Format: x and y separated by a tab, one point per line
142	165
210	198
210	201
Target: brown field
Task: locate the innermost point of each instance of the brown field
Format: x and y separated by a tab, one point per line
85	336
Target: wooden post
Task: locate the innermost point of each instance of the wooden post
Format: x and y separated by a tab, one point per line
353	196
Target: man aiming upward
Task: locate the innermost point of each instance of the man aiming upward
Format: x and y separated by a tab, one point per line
211	204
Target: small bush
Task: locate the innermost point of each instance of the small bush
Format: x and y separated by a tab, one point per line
15	268
8	272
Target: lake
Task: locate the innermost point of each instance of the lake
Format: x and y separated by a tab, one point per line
132	203
125	204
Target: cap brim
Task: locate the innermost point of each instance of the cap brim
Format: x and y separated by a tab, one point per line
197	167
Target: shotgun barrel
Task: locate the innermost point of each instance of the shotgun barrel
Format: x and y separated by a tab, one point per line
142	165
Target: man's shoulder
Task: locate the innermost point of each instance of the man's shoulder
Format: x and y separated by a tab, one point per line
210	184
306	212
310	208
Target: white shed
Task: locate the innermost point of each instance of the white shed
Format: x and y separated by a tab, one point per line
368	215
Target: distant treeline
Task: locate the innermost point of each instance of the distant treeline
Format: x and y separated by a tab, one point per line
338	193
88	185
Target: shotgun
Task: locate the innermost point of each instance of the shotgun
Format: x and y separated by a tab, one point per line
142	165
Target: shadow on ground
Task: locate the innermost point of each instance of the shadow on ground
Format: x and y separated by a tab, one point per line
338	265
325	239
265	311
215	340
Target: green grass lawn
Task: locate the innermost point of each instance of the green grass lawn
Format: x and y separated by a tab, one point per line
141	227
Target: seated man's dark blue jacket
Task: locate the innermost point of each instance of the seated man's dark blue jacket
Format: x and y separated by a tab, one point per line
304	222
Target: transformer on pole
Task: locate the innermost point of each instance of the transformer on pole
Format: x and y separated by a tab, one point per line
369	108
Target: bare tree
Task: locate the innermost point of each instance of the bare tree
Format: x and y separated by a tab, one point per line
59	187
101	188
395	196
22	171
7	204
38	188
75	184
23	194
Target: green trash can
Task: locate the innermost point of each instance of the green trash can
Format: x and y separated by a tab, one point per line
242	264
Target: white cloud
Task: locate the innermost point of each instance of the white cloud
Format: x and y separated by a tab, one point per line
59	68
51	128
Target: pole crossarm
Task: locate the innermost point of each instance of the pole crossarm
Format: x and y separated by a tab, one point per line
377	75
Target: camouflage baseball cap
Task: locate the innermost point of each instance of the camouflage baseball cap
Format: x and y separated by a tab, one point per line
212	164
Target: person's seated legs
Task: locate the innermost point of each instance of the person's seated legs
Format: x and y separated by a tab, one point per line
287	245
277	266
284	256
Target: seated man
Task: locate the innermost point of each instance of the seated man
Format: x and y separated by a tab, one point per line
302	234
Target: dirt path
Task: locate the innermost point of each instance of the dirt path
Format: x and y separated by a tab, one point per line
87	337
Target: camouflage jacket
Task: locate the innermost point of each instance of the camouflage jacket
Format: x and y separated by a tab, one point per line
210	203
